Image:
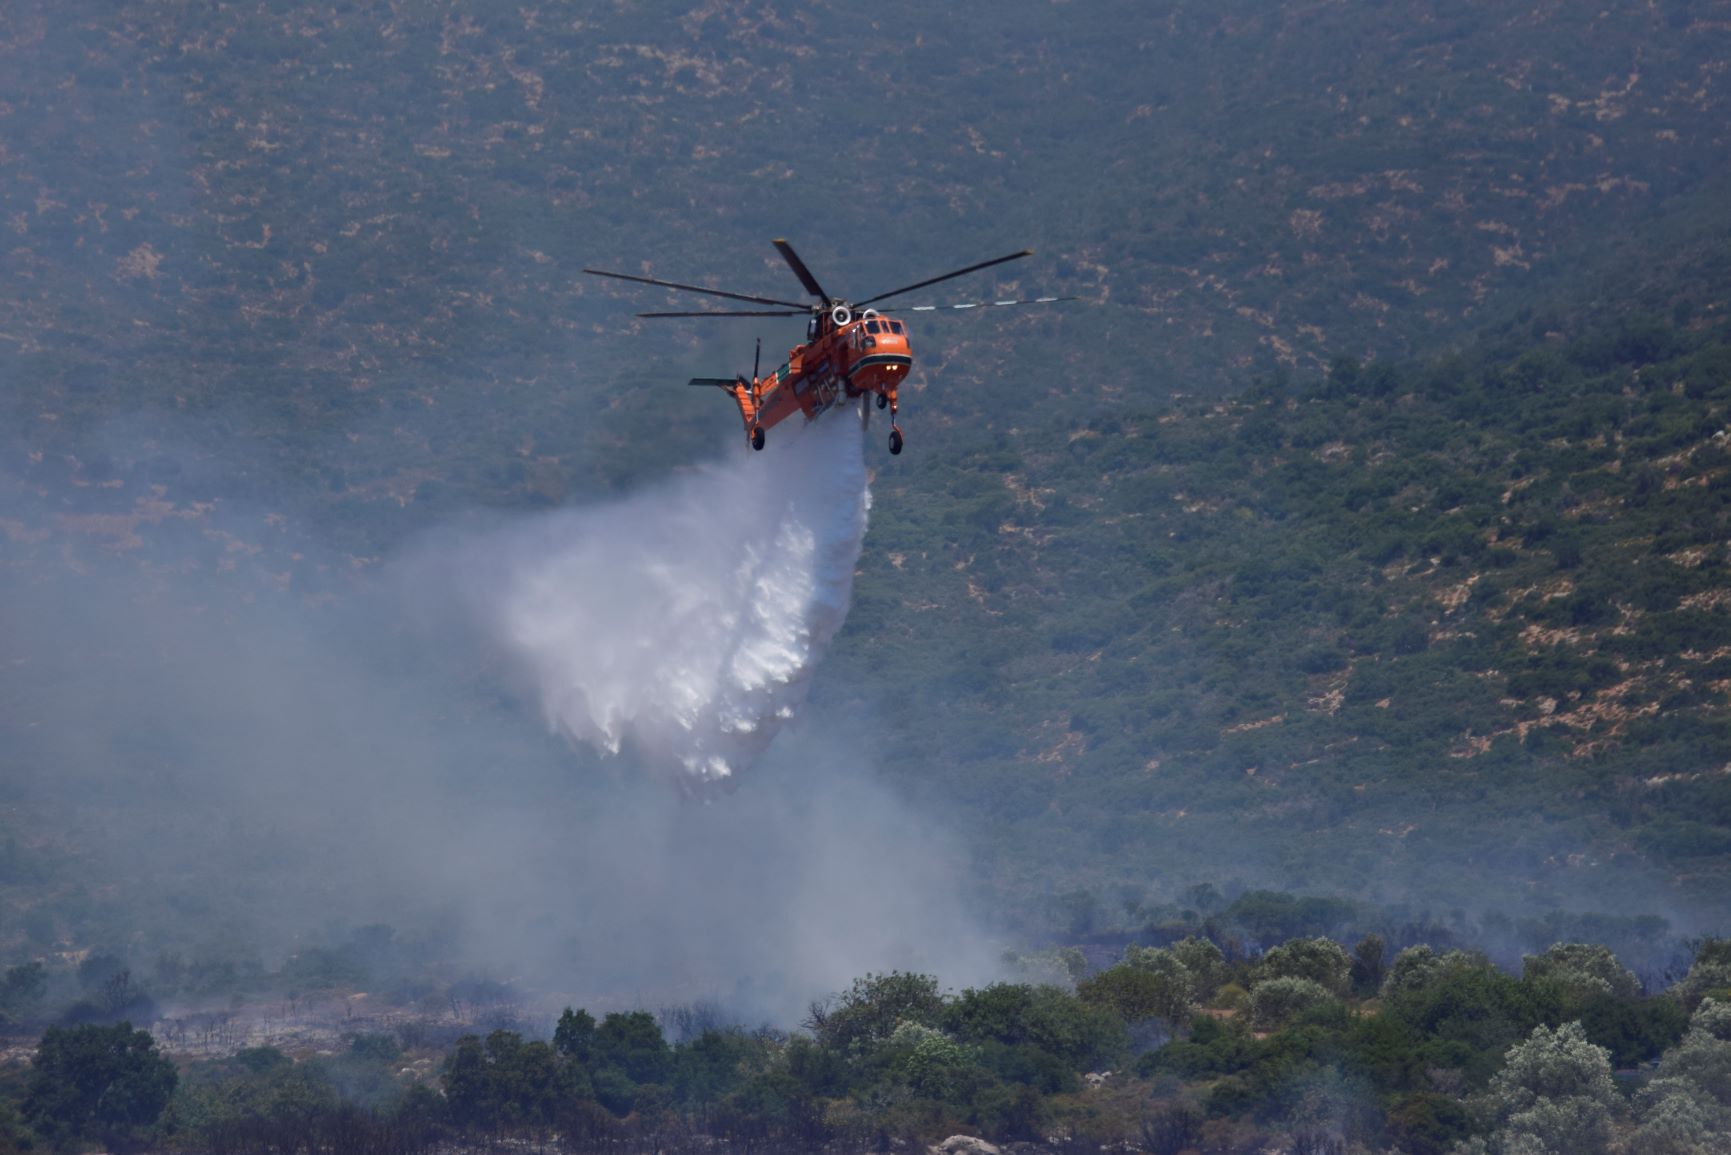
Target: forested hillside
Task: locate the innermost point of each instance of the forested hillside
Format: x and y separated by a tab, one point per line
346	238
1253	662
1359	530
1430	628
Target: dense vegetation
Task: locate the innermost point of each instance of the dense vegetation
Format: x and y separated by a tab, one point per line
1364	532
346	237
1327	623
1341	1050
1398	626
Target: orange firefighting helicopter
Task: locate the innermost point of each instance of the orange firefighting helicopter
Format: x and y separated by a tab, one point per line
850	349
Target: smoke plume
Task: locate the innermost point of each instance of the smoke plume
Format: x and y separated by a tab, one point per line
243	772
681	625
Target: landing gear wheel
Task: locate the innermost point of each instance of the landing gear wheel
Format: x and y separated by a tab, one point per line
895	442
883	401
757	437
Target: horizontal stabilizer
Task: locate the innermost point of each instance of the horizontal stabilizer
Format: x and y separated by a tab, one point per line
719	382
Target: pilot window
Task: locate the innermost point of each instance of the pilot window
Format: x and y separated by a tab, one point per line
895	326
872	327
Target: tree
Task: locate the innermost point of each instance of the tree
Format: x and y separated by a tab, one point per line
1710	973
1414	969
1135	993
1554	1096
712	1065
1321	960
21	987
1206	964
1276	1002
930	1062
467	1087
504	1081
1583	970
1172	1127
97	1082
998	1013
1418	967
1343	375
1679	1124
1369	959
633	1043
869	1011
1034	1034
1686	1109
574	1037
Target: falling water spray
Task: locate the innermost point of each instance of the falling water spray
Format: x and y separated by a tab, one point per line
681	625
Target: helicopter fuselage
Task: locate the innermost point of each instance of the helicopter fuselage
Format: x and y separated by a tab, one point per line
867	354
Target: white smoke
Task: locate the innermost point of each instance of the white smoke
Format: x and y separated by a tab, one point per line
682	624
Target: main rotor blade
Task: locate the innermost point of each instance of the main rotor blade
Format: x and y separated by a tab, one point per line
945	277
800	271
697	289
978	305
743	313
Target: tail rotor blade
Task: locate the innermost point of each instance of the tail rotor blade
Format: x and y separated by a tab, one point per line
979	305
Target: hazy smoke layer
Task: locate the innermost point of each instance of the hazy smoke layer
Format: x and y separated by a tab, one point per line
684	623
245	762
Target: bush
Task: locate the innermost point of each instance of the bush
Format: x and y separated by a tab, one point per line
1172	1127
1231	997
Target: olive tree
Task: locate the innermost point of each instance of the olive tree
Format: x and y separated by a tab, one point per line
1709	974
1321	960
1156	986
870	1010
1276	1002
1554	1096
1207	966
1417	967
1583	970
1686	1109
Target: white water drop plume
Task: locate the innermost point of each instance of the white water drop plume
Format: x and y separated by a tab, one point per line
682	624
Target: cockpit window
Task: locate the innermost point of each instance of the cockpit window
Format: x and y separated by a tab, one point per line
872	327
895	326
